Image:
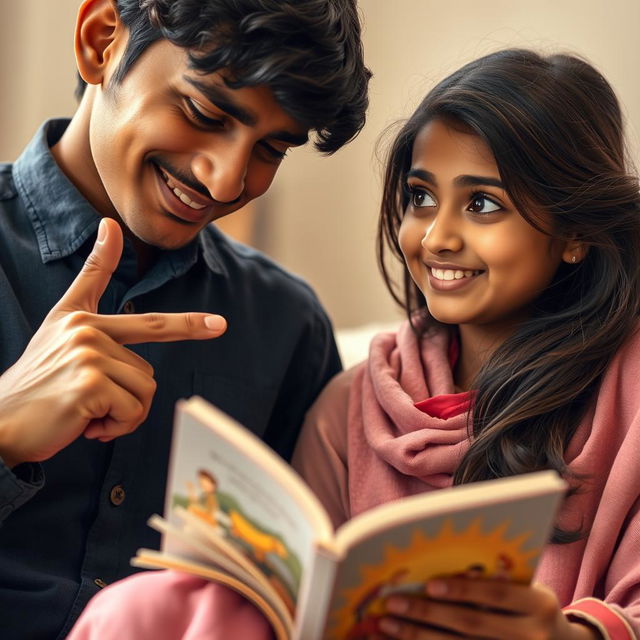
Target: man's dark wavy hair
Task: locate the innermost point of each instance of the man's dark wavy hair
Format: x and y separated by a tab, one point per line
308	52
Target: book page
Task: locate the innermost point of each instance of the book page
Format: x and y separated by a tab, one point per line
224	476
496	529
193	545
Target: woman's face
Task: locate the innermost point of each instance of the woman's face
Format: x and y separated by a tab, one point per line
476	260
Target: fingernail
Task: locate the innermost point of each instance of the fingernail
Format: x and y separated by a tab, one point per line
389	626
102	232
436	588
215	323
397	605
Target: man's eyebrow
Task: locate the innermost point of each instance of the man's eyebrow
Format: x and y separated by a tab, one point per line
221	99
460	181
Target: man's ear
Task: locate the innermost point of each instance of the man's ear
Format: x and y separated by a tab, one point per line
574	251
98	33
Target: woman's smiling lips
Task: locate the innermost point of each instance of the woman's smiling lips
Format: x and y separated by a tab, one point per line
450	277
181	201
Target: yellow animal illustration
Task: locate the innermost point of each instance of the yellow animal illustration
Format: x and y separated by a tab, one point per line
261	543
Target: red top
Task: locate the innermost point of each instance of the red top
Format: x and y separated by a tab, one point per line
447	405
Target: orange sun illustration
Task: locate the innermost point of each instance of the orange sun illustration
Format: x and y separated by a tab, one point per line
449	552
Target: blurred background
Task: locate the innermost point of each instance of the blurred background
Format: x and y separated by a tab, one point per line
319	218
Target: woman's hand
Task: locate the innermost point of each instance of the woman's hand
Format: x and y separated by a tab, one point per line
480	608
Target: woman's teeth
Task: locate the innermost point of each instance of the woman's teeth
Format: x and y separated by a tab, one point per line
183	197
452	274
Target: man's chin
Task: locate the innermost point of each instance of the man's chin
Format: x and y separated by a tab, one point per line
150	239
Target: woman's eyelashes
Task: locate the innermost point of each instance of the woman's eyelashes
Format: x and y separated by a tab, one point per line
420	197
479	202
482	203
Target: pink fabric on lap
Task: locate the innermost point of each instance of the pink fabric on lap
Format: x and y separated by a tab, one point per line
168	605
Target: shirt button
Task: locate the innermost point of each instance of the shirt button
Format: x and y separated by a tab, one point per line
100	583
129	307
117	495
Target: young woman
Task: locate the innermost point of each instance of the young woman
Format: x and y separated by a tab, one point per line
509	201
508	198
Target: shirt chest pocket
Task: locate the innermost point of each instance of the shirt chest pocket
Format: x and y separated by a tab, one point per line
250	403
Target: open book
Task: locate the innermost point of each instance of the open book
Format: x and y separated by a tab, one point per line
236	513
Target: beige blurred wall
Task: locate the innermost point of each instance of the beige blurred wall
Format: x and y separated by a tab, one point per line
322	213
319	218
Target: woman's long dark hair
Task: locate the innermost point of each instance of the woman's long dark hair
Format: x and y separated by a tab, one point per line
555	129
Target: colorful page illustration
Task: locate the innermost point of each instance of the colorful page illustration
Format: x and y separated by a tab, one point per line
243	503
480	542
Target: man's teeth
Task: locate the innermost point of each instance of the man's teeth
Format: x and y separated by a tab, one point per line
183	197
452	274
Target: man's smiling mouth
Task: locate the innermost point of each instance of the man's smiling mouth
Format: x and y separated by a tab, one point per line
183	197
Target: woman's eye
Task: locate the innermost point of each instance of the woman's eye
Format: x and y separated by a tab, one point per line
421	198
480	203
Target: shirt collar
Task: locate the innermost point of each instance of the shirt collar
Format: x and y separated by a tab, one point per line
62	218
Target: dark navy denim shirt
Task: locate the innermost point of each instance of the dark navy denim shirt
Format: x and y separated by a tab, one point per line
72	523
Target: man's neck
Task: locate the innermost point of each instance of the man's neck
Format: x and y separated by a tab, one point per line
73	155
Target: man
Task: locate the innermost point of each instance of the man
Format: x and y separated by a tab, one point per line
188	110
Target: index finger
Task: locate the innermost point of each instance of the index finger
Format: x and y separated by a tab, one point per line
160	327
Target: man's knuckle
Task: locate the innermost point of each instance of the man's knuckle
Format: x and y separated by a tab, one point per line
149	390
75	319
190	322
138	415
84	335
84	357
89	381
155	321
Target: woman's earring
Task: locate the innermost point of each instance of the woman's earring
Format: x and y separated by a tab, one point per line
573	259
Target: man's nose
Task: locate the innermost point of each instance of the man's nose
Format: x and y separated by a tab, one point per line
223	172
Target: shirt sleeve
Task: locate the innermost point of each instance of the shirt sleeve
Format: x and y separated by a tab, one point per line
617	615
608	620
313	363
18	485
321	454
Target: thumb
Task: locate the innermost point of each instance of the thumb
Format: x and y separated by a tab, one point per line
87	289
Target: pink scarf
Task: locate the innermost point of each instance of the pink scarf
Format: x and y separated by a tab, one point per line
406	450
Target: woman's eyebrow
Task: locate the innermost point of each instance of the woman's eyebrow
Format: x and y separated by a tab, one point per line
476	181
427	176
460	181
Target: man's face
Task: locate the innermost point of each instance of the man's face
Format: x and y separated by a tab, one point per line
174	149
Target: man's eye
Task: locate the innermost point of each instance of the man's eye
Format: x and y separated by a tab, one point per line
481	203
273	152
421	198
200	117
